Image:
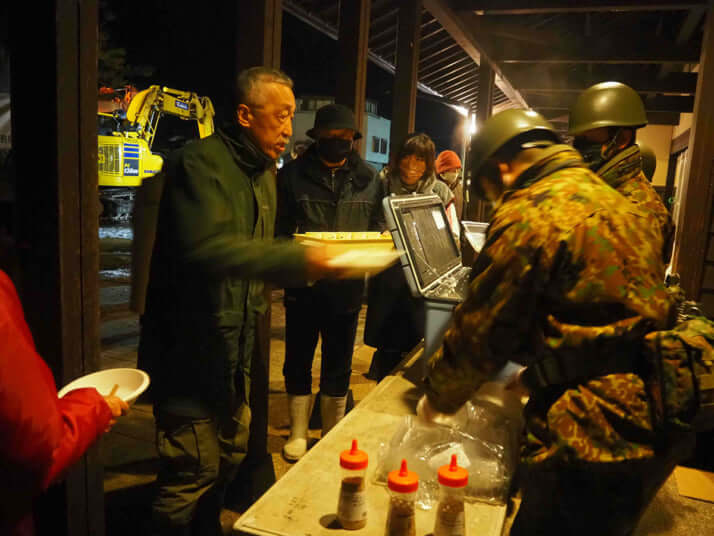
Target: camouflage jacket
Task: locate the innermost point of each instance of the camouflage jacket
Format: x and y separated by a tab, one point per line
569	272
624	173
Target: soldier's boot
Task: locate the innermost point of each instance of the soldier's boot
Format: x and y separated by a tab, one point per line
299	411
332	409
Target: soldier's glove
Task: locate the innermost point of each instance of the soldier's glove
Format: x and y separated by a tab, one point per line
427	414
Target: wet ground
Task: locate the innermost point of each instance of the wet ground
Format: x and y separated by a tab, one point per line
128	450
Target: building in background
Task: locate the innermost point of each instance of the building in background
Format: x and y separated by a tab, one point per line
375	138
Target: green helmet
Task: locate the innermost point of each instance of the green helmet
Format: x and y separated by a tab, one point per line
502	128
649	161
608	104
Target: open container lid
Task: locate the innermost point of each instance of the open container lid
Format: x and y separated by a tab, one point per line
429	244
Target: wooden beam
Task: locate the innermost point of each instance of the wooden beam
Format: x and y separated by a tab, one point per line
680	143
453	74
557	79
451	51
299	12
458	27
445	65
259	39
352	60
58	218
462	93
436	31
453	85
534	7
656	103
686	30
434	47
695	213
623	51
653	118
485	96
405	79
477	209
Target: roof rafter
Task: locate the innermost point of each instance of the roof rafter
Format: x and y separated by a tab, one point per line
461	33
530	7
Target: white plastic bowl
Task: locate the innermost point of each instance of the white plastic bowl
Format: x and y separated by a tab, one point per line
131	382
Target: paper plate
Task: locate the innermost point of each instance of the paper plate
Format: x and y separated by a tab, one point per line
131	382
359	262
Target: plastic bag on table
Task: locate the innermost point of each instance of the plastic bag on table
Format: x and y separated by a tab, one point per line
486	446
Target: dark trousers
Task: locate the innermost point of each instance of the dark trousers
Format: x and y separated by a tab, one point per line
256	474
304	322
198	458
592	499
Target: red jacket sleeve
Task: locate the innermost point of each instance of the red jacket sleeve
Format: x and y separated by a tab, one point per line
42	435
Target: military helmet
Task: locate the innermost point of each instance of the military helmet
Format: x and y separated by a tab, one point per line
608	104
649	161
502	128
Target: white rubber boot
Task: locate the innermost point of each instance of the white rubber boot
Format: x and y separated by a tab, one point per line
299	407
332	409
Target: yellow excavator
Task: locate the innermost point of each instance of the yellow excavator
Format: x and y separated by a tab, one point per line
125	143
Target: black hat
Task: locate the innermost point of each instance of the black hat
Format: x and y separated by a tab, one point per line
334	117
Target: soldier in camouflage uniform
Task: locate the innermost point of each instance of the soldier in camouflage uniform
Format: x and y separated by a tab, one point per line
604	121
569	283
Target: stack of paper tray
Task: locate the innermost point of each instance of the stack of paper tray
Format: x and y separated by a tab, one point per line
341	242
356	253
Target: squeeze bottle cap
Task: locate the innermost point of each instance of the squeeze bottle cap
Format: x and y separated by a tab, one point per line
403	480
353	458
452	475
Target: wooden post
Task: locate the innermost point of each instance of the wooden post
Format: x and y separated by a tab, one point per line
352	61
54	84
484	105
476	209
405	78
258	41
694	231
259	26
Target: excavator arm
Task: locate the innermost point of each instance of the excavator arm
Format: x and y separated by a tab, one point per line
147	107
125	155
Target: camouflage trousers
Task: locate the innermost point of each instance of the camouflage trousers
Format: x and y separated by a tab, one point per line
592	499
198	458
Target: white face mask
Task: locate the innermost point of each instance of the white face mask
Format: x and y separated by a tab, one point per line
451	177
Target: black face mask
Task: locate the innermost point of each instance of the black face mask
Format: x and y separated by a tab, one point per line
333	150
596	154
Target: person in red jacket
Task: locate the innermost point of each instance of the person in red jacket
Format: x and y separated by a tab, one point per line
41	435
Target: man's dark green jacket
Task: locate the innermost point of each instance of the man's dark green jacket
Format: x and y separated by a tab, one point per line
214	248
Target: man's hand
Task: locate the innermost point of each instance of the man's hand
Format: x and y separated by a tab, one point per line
515	383
426	413
118	408
318	264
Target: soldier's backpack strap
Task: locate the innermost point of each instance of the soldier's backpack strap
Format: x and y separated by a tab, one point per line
564	371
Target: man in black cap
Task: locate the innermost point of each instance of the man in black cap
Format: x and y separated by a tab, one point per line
329	188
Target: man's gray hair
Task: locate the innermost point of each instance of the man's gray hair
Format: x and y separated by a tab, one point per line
249	79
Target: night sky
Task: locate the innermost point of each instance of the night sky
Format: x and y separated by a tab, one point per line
188	51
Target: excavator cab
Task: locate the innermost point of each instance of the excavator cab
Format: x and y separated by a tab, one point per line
126	153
